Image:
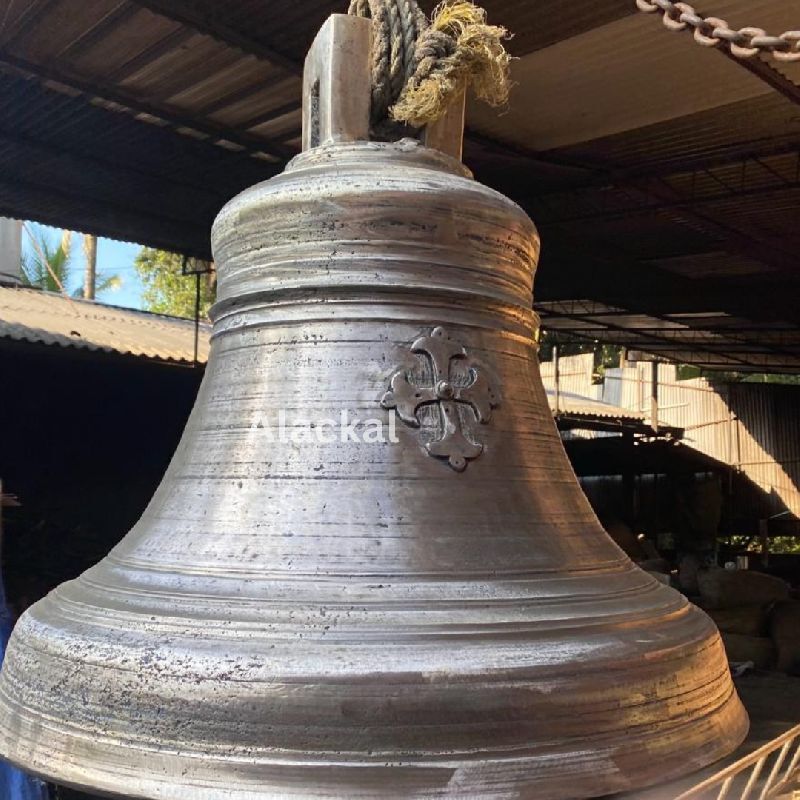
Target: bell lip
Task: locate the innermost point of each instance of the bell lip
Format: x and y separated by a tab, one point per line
730	716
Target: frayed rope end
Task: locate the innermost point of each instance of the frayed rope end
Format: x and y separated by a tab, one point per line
479	59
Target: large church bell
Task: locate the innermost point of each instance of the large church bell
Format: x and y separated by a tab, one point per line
369	570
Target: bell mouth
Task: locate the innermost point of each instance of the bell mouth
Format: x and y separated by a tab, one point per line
345	731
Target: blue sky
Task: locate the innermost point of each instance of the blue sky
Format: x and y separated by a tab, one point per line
113	258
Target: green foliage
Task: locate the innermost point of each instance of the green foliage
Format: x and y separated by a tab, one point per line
720	376
752	543
104	283
167	290
784	544
50	265
609	355
46	253
769	377
605	355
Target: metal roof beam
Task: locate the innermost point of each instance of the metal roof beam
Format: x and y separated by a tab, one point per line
730	156
150	54
658	196
650	339
268	116
717	337
673	338
79	128
122	97
704	360
26	19
231	98
536	156
108	23
113	207
754	244
767	74
187	13
567	271
637	209
125	171
21	200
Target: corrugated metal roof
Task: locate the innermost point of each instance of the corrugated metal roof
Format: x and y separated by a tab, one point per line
752	121
58	151
575	383
576	405
622	63
35	316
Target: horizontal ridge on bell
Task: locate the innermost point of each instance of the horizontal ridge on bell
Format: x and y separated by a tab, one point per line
345	239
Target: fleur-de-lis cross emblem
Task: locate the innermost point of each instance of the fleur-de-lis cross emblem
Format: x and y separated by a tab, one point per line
451	382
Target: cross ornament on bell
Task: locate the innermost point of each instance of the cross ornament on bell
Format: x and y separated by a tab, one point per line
447	394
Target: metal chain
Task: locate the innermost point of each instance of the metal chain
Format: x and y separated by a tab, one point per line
713	31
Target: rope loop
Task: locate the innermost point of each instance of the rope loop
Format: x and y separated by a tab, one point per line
418	66
396	26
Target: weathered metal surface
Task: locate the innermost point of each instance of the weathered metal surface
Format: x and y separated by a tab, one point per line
314	611
336	83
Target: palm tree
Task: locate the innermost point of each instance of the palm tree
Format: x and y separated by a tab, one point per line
49	266
90	269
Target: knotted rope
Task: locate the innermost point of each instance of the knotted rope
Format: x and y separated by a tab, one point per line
418	66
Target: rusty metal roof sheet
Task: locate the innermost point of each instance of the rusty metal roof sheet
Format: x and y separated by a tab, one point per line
35	316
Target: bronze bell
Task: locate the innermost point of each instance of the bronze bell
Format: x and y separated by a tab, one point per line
369	570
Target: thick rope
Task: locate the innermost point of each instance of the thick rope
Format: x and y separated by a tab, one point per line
418	67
